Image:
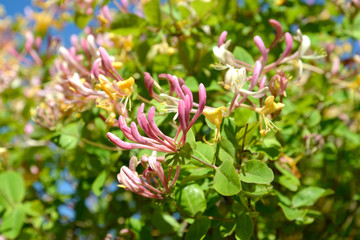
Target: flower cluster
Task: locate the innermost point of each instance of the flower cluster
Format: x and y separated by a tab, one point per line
236	74
147	184
155	139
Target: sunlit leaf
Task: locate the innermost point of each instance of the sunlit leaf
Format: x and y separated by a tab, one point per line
226	180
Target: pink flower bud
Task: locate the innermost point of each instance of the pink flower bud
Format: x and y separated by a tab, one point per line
120	143
289	45
135	133
256	74
278	29
222	38
261	46
29	41
182	121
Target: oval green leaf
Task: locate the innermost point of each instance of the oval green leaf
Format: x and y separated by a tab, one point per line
191	199
226	180
98	184
198	229
256	171
12	188
244	227
308	196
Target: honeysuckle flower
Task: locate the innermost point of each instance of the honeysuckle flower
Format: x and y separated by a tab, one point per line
222	38
155	139
223	55
215	117
270	107
235	80
147	184
46	114
177	87
45	19
261	46
83	88
105	17
71	61
277	85
301	54
161	48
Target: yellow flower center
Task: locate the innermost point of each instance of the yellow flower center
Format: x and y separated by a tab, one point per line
214	115
270	106
126	86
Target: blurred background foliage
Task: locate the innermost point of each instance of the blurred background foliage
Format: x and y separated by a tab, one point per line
59	181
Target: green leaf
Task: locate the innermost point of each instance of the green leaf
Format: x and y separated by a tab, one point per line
356	25
227	228
192	83
288	179
41	133
205	152
250	130
81	20
201	8
198	229
290	182
182	157
293	214
191	199
226	180
256	171
270	147
314	118
243	55
99	182
308	196
70	135
256	190
152	12
244	227
12	222
34	208
242	116
190	138
227	150
164	222
196	173
126	24
100	124
12	188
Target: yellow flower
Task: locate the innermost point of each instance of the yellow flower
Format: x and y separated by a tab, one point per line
279	2
215	116
126	86
106	86
270	107
105	104
117	65
43	21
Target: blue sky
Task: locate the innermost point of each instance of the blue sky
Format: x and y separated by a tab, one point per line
14	7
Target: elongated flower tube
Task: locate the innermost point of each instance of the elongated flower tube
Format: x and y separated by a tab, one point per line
261	46
279	31
222	38
155	139
153	182
83	88
181	92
